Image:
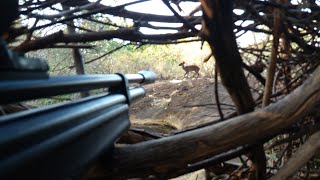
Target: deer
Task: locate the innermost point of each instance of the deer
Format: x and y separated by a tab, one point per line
190	68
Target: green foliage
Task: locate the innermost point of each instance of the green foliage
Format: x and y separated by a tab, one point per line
59	60
53	100
163	59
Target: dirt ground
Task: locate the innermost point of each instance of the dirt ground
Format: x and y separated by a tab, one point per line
179	104
174	105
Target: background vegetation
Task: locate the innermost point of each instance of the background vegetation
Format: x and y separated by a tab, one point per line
163	59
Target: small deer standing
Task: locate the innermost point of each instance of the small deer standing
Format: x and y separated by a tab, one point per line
190	68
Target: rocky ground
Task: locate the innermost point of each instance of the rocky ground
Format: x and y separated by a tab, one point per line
179	104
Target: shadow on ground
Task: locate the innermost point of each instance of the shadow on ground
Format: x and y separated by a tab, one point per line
179	104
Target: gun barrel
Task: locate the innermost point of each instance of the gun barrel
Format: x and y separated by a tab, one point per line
21	90
61	141
34	143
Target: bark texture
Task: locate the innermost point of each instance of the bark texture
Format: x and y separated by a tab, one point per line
217	29
156	157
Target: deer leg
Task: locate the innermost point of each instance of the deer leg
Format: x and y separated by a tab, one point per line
184	76
195	73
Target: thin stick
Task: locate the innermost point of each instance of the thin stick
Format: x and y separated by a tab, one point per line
300	158
274	53
217	93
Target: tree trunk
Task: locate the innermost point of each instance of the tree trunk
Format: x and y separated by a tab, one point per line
217	29
77	56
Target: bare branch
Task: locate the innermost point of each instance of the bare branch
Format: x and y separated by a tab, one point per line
300	158
140	160
126	34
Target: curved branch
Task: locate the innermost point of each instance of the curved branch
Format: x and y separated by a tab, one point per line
155	157
300	158
129	34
